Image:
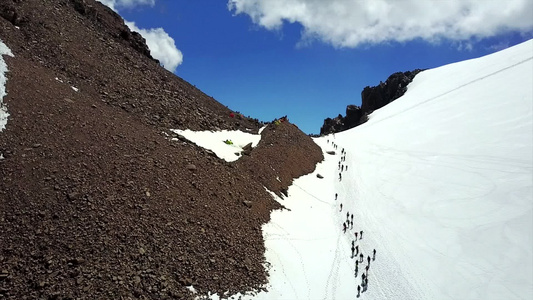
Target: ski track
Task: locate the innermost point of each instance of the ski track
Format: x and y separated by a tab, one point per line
333	275
334	268
386	256
288	240
350	197
431	99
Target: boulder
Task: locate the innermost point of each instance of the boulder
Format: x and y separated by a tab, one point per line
246	150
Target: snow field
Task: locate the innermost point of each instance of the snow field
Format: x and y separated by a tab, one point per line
445	178
440	181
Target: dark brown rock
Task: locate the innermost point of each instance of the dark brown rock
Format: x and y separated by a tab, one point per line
105	182
283	153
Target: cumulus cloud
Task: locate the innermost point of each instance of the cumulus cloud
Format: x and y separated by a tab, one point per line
114	4
351	23
161	45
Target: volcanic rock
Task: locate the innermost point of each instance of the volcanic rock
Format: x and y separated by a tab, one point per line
75	210
372	98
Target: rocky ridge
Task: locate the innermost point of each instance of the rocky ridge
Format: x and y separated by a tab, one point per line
95	201
279	155
372	98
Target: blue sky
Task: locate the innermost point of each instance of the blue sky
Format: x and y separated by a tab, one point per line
309	59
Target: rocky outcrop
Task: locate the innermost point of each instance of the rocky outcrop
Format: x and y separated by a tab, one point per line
102	16
394	87
354	116
88	45
372	98
283	153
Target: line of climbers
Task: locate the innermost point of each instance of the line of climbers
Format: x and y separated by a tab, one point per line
358	234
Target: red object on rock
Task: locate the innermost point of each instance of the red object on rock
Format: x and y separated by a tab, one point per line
231	115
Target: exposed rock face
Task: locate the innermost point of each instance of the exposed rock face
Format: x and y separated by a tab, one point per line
283	153
97	203
394	87
372	98
353	117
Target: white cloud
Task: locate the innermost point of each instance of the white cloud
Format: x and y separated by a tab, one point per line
113	4
161	45
350	23
465	46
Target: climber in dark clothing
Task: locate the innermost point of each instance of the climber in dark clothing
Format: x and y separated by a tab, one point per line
374	255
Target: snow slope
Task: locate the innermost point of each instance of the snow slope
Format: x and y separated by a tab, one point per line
441	183
442	179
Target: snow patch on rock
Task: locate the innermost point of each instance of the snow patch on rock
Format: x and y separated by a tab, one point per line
4	50
226	144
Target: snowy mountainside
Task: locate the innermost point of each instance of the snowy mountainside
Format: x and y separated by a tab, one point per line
443	176
441	183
